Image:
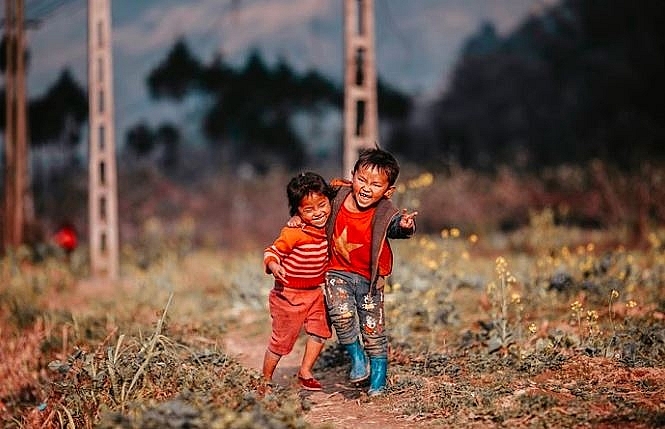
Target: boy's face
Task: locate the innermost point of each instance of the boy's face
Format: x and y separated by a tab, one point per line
314	209
369	185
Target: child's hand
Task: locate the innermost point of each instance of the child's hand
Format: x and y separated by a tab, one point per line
408	219
294	222
278	271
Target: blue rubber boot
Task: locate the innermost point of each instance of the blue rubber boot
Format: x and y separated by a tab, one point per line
359	365
377	379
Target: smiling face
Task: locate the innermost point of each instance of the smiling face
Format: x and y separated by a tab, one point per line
314	209
369	185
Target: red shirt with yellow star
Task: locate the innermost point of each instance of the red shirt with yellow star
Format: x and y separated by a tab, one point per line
351	247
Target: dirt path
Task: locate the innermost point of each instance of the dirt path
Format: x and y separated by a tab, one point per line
339	404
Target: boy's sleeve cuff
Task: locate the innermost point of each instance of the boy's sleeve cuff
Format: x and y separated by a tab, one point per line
266	261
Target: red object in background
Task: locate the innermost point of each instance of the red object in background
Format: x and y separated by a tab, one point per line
66	238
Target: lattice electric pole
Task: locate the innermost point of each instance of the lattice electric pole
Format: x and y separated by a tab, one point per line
360	101
18	198
102	177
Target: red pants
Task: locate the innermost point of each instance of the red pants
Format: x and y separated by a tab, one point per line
292	310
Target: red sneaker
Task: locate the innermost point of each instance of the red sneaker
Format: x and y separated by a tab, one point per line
310	383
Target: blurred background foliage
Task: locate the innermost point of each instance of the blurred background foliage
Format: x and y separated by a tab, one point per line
574	94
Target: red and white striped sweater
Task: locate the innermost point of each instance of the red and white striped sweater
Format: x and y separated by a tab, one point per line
303	252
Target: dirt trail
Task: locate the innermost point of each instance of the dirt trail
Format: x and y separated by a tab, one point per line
339	404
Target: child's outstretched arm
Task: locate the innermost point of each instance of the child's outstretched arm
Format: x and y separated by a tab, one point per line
402	225
408	220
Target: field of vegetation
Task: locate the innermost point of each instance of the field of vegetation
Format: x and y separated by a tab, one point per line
543	324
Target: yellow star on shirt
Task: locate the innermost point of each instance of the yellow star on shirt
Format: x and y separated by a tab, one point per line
343	247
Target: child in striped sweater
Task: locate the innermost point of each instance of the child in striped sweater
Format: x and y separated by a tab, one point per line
298	260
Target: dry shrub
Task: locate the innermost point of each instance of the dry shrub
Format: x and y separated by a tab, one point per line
20	359
79	355
572	352
154	381
582	314
220	209
596	196
223	210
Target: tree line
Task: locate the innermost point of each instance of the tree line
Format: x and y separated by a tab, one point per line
581	81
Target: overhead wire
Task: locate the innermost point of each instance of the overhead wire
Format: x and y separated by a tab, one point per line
41	10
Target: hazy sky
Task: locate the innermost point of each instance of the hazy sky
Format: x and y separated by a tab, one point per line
417	41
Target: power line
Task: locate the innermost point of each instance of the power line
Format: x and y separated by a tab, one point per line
38	11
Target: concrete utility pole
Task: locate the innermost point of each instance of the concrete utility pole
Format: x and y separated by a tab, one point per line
102	177
18	201
360	101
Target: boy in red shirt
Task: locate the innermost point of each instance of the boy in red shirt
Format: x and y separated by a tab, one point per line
298	260
362	219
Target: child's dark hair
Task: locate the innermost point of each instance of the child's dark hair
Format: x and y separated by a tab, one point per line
381	160
304	184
